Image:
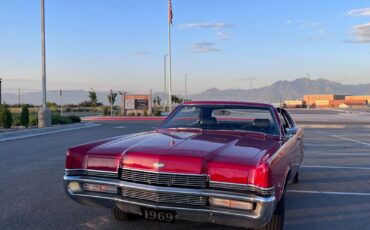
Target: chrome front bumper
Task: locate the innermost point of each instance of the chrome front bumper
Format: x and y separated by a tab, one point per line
258	217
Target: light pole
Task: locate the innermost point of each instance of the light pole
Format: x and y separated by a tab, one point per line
61	102
186	86
0	91
44	115
165	79
111	103
19	96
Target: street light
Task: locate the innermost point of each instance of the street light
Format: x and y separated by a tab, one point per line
0	91
44	115
165	78
186	85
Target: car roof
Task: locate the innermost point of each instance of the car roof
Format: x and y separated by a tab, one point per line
227	103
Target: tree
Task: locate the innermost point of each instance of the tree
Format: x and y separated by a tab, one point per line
177	100
6	117
25	116
93	98
157	101
111	99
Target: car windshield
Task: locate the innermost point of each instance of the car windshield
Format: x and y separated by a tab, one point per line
224	117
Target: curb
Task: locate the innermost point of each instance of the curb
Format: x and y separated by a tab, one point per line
44	131
123	118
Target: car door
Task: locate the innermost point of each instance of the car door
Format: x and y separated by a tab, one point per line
294	141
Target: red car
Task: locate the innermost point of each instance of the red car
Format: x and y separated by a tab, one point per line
219	162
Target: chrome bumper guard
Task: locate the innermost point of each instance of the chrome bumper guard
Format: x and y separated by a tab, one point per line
258	217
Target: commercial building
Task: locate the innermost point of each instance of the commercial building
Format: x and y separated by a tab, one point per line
294	104
336	101
359	97
323	99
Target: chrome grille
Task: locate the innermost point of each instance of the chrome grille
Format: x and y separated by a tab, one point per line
165	179
164	197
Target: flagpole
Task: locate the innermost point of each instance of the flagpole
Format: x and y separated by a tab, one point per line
170	60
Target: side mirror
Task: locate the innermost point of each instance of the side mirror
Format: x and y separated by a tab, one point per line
291	131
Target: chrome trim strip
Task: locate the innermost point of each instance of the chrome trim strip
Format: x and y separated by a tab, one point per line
231	213
90	172
172	190
242	187
184	174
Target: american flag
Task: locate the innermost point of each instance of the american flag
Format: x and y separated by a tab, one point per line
170	15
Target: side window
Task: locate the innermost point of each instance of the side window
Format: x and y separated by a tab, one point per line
288	118
283	120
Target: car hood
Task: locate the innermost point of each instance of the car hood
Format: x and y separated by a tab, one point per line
212	153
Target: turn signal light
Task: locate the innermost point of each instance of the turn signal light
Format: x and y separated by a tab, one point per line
231	204
99	188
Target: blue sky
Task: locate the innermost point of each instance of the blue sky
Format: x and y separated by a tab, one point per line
120	44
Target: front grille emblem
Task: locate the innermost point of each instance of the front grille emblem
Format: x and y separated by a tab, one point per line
158	165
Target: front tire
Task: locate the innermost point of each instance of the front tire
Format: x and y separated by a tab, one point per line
296	178
277	220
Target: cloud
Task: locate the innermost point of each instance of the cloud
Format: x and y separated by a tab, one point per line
204	47
207	25
359	12
303	24
361	32
223	35
140	53
314	31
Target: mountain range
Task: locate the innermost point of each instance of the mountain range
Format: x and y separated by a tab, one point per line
280	90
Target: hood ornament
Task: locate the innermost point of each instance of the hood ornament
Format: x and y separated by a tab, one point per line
158	165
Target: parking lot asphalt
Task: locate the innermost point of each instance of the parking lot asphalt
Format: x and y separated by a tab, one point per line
333	193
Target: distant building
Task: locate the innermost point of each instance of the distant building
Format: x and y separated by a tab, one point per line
359	97
294	104
336	101
322	99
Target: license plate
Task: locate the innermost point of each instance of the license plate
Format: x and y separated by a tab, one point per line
159	215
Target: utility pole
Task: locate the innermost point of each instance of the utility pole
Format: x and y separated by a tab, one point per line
44	115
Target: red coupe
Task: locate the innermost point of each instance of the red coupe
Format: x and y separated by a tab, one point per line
226	163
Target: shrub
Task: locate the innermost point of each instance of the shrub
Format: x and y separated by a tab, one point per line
74	119
56	119
33	120
157	112
145	113
25	116
106	111
6	117
17	120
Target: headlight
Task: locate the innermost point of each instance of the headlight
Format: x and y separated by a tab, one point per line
243	205
99	188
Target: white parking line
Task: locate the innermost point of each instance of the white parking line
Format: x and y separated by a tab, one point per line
347	139
335	167
330	193
119	127
338	154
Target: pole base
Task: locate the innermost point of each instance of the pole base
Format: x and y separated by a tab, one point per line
44	118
